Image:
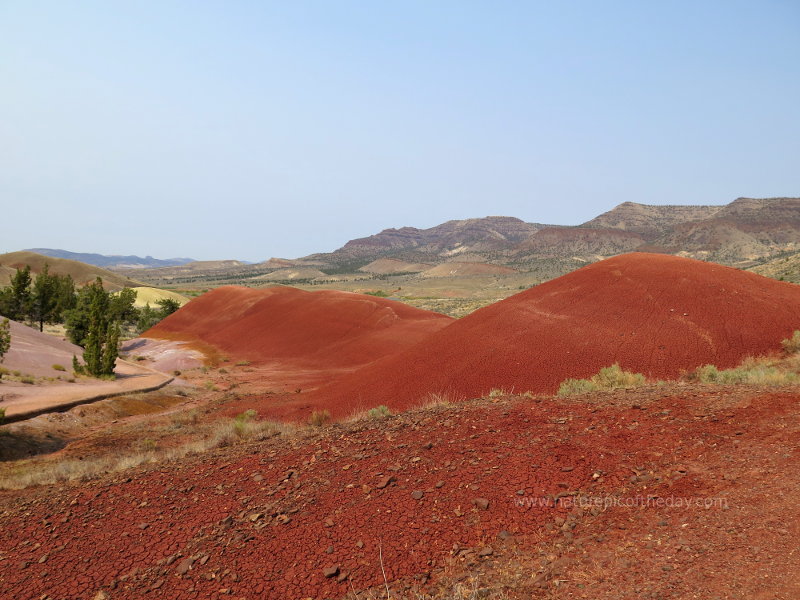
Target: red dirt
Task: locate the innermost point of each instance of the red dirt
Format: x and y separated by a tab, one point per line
328	329
653	314
264	520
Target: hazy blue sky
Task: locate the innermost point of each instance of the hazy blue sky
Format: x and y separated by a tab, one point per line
238	129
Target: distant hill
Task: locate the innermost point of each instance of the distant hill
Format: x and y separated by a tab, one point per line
785	267
81	273
650	221
113	261
744	233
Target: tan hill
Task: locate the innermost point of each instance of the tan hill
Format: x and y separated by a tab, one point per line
385	266
649	220
80	272
461	269
785	267
452	236
745	230
291	274
579	241
277	263
151	296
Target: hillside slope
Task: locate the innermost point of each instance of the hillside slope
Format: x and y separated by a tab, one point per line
80	272
326	328
653	314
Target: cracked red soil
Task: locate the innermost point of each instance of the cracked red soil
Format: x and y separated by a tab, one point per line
264	520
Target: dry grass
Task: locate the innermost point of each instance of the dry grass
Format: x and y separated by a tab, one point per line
792	345
756	371
378	412
439	400
608	378
319	418
205	437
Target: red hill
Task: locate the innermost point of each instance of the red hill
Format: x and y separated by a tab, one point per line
654	314
327	329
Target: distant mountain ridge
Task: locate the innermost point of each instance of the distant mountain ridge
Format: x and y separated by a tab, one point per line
744	233
112	261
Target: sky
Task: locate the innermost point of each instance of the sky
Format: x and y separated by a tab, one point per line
237	129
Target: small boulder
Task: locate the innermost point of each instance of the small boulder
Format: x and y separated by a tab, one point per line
331	571
481	503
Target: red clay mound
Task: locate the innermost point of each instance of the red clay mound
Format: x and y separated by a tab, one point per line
327	329
654	314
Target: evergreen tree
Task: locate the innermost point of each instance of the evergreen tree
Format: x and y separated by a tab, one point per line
122	306
5	338
79	318
18	297
44	300
147	318
66	298
97	330
168	306
111	348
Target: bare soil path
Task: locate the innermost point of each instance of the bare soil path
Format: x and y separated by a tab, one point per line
23	401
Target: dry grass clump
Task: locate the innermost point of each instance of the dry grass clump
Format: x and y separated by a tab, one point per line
608	378
758	371
438	400
319	418
792	345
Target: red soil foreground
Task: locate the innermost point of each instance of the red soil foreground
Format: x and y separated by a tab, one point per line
328	329
440	492
653	314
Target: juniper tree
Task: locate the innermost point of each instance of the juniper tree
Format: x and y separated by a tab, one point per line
16	298
110	348
5	338
44	300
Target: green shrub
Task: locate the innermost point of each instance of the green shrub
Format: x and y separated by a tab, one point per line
792	345
379	412
243	363
58	367
27	379
751	370
241	421
571	387
614	377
